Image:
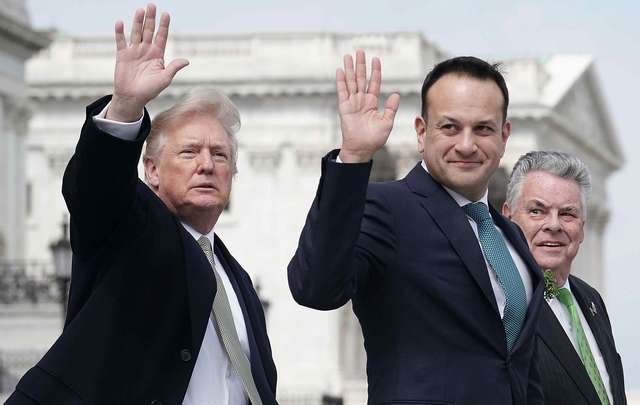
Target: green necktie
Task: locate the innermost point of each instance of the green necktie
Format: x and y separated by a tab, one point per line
565	297
497	253
223	319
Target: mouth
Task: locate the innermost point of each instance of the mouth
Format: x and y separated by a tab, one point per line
204	187
465	163
550	244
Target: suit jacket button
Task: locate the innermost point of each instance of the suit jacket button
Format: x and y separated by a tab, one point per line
156	402
185	355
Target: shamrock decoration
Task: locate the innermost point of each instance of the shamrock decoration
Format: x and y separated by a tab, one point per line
550	287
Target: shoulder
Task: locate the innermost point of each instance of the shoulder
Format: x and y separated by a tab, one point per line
583	287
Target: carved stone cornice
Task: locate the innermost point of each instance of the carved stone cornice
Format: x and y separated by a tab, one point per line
265	159
308	157
30	40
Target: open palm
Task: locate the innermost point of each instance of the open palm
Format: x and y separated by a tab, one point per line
140	72
364	129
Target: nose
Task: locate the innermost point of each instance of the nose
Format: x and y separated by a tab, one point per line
205	162
466	144
552	224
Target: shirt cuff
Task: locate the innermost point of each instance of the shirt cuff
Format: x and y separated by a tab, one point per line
127	131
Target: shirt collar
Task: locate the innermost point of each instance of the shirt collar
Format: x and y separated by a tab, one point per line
460	199
196	235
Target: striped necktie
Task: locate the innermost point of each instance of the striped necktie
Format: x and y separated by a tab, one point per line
223	319
565	297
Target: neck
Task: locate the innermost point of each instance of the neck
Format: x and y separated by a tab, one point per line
561	276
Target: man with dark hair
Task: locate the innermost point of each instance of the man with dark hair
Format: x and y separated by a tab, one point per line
444	287
466	66
547	197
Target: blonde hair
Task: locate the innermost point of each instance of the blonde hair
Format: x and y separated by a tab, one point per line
205	101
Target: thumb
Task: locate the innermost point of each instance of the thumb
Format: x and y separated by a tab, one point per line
175	66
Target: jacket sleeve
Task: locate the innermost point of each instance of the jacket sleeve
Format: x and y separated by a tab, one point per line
346	240
99	183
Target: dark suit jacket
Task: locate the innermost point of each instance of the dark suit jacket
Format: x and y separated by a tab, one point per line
564	378
141	290
406	256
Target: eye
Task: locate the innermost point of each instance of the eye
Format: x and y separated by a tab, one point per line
569	215
484	129
187	153
448	128
535	211
220	156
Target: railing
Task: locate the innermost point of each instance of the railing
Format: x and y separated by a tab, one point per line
28	282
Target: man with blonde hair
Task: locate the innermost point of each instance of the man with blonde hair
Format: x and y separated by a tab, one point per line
159	310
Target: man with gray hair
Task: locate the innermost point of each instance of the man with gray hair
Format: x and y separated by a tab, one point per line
577	357
159	310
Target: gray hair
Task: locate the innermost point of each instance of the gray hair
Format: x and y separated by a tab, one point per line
560	164
205	101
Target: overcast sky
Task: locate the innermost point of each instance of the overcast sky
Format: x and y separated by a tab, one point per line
607	30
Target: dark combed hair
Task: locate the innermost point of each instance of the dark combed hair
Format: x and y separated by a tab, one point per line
466	66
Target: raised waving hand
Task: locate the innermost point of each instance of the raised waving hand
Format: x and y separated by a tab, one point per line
140	72
364	128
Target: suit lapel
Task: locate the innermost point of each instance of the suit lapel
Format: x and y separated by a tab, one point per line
554	336
201	287
453	223
598	326
255	330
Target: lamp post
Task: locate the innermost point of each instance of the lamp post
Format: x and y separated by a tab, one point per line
61	251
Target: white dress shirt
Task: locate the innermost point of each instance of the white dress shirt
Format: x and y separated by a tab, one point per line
213	381
562	313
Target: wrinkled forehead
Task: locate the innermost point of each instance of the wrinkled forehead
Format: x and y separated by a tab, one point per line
552	190
196	129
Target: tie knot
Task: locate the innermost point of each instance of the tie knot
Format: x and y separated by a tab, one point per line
564	296
204	243
478	211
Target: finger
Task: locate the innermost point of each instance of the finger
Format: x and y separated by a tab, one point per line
350	75
175	66
121	41
149	24
163	31
376	77
391	107
136	27
341	86
361	71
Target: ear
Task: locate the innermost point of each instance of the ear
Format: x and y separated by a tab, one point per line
151	173
506	211
506	131
421	131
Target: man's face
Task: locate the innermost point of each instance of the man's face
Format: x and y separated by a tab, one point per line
464	134
549	211
193	172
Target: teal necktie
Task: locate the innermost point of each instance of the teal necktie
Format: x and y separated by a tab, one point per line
500	260
565	297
